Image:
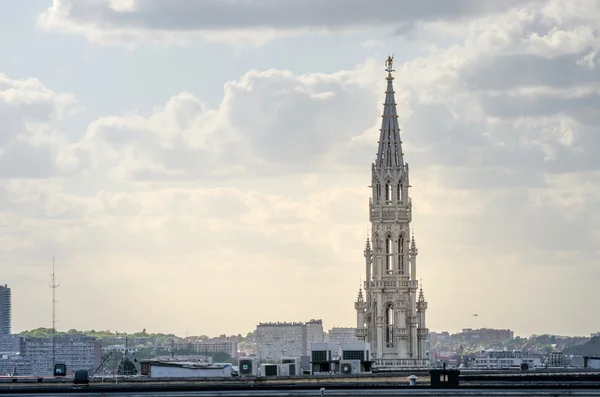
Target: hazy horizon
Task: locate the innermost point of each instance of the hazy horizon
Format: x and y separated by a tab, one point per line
200	167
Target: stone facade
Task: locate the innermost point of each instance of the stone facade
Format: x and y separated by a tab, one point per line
391	312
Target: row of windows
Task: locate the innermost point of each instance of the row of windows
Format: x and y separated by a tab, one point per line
389	193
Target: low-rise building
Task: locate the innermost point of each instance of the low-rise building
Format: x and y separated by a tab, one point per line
120	348
500	359
184	369
484	335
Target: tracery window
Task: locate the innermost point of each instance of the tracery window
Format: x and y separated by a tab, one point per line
388	193
399	193
389	255
389	325
401	254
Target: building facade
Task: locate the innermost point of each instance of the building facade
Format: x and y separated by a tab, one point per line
5	310
10	344
76	351
391	314
276	340
339	336
500	359
314	334
215	345
484	335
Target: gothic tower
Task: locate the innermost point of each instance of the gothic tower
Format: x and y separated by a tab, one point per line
390	315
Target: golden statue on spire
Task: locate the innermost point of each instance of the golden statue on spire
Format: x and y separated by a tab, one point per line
389	64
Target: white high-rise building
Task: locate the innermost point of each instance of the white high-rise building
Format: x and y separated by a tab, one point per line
390	315
5	308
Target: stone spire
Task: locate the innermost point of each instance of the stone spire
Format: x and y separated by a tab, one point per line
413	247
389	154
421	302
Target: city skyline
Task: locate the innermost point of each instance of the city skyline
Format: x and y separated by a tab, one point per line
181	165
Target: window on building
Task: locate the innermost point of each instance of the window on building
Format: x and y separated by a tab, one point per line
389	325
401	254
399	193
389	255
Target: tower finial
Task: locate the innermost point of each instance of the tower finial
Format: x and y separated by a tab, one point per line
360	297
389	63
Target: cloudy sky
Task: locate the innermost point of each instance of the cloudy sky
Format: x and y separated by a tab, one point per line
201	166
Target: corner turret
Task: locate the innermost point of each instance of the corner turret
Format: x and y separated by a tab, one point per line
360	305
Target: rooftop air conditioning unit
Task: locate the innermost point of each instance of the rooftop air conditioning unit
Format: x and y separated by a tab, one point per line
295	365
248	366
269	369
283	369
349	367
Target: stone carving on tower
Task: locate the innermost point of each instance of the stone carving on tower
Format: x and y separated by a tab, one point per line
390	315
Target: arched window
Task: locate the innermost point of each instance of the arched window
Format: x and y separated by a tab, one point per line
389	255
388	193
400	192
377	193
401	254
389	325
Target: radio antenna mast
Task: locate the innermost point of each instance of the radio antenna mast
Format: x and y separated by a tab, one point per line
54	285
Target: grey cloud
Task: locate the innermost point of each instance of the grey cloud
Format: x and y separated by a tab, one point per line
510	106
182	15
406	29
487	177
296	127
514	224
581	157
178	223
267	123
451	141
581	114
184	161
22	160
25	105
525	70
524	227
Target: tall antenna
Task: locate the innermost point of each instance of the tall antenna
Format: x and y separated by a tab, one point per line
54	285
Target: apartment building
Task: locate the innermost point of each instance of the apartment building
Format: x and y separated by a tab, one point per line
10	344
339	336
212	345
76	351
287	339
484	335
